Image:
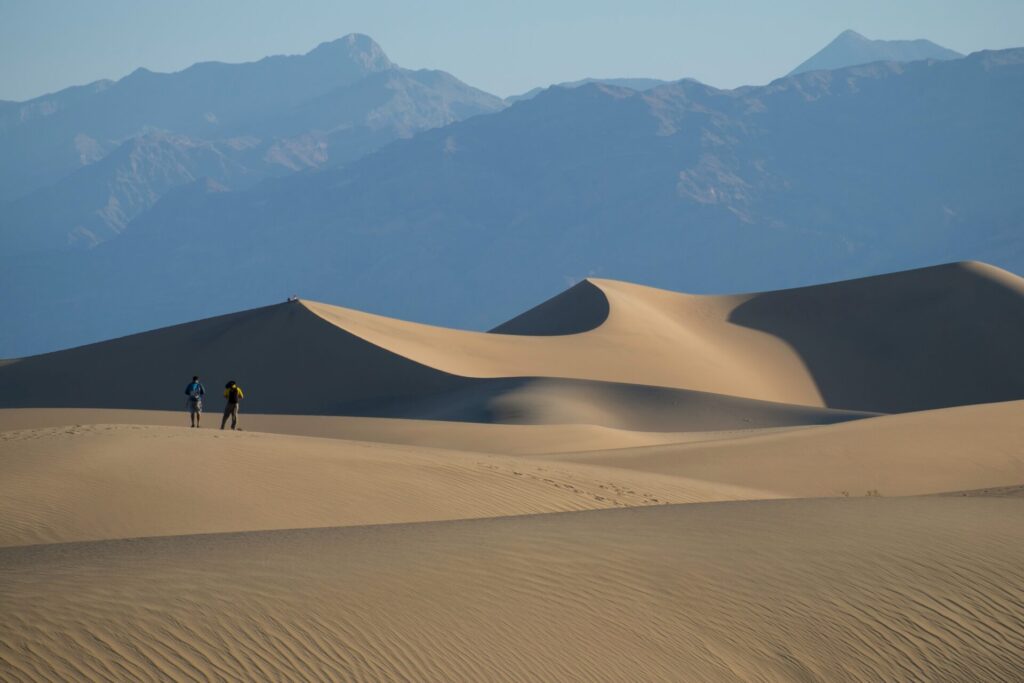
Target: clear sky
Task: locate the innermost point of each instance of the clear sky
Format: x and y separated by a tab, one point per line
503	47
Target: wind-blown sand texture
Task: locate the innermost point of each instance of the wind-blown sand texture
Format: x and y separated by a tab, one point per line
620	484
829	590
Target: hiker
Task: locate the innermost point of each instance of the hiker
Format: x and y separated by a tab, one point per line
233	393
195	392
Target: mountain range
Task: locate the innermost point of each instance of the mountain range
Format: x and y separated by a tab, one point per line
814	177
77	166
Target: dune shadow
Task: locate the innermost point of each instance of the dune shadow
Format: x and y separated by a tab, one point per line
581	308
931	338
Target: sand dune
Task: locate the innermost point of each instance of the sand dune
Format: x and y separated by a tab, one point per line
545	400
968	447
89	482
64	484
920	339
935	337
826	590
464	436
649	337
291	361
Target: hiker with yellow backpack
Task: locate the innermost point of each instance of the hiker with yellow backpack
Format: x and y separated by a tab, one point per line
233	393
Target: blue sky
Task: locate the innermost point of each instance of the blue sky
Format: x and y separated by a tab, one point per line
503	47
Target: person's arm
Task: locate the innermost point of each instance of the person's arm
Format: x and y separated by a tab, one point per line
202	389
240	394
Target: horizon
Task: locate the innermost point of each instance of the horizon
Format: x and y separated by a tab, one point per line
658	40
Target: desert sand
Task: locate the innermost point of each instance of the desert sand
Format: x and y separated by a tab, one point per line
623	483
866	590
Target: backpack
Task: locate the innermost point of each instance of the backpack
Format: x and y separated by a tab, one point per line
233	394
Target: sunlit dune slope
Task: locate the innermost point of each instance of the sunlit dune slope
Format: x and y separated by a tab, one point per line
122	481
833	590
465	436
967	447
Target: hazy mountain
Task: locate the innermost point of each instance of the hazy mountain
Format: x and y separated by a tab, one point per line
108	151
396	103
15	113
815	177
210	99
97	201
851	48
639	84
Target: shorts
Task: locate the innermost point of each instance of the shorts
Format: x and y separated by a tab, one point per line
195	405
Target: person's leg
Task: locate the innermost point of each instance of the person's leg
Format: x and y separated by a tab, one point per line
192	415
234	416
227	412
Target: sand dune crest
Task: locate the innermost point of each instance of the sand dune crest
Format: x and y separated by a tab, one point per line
928	338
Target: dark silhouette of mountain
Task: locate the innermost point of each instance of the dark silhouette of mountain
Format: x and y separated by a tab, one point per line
639	84
104	153
851	49
812	178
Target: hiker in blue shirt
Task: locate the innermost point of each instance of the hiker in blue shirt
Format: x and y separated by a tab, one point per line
195	392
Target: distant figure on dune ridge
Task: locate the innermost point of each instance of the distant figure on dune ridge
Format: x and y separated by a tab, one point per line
233	393
195	392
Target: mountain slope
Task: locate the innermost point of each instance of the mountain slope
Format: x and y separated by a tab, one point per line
639	84
98	201
850	48
210	99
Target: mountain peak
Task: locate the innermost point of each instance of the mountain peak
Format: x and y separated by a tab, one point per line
850	48
850	34
357	48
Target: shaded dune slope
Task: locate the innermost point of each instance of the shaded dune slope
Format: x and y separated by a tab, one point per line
287	359
929	338
833	590
581	308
